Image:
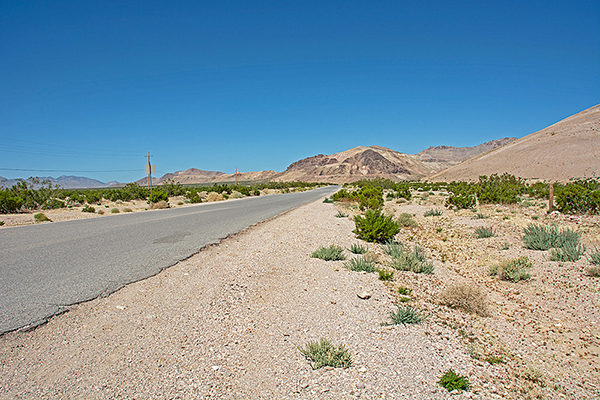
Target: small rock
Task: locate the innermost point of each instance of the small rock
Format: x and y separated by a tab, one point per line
360	385
364	295
362	369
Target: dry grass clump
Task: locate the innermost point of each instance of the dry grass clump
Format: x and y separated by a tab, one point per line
463	296
235	195
513	270
159	205
214	196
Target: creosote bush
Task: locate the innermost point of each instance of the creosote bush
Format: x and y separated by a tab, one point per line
324	354
331	253
453	381
465	297
375	227
406	220
114	211
159	205
88	209
404	315
361	264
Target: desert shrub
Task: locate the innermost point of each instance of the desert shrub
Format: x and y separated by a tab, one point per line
375	227
513	270
594	271
127	210
193	196
235	195
9	202
494	359
385	275
324	354
483	232
41	217
594	256
581	196
539	190
93	196
100	212
415	260
540	237
453	381
461	200
358	249
88	209
1	223
158	196
568	252
52	204
115	211
465	297
331	253
394	249
328	200
404	291
341	215
499	189
214	196
404	315
480	216
173	188
406	220
359	264
433	213
159	205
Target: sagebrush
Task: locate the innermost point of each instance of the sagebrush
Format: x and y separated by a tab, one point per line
323	354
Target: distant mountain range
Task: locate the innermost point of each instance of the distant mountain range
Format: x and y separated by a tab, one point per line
66	182
570	148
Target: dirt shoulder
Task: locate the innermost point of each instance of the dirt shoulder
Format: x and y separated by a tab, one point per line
227	322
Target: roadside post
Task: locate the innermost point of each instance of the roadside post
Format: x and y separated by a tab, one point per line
150	169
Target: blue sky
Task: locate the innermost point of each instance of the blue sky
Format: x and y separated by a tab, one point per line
88	88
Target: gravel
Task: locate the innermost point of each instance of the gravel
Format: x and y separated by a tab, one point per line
228	322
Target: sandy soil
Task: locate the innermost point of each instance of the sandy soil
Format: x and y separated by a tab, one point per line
227	323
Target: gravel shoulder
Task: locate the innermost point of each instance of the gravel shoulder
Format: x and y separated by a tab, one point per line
227	323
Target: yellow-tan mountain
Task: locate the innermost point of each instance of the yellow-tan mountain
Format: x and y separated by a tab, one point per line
567	149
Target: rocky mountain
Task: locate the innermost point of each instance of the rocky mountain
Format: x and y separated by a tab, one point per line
194	175
65	182
567	149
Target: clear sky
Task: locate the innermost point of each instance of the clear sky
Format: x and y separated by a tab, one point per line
87	88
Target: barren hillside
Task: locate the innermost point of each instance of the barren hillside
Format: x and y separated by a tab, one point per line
568	149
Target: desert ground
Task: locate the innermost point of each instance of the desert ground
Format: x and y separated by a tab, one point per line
229	321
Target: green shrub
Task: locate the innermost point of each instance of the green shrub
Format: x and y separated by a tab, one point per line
404	291
453	381
385	275
341	215
328	200
433	213
404	315
324	354
41	217
394	249
568	252
499	189
415	261
331	253
513	270
158	196
1	223
481	216
88	209
494	359
483	232
594	271
114	211
578	197
540	237
375	227
361	264
461	200
358	249
406	220
127	210
9	202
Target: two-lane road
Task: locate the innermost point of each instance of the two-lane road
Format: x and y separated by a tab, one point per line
44	268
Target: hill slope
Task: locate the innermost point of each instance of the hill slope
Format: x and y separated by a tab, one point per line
567	149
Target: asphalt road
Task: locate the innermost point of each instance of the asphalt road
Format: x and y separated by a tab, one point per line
45	268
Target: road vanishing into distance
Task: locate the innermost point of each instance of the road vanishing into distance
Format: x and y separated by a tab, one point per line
45	268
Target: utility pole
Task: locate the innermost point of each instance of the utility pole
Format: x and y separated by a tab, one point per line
235	176
149	170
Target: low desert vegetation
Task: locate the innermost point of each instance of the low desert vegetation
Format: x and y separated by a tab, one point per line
405	259
323	354
433	213
358	249
465	297
406	220
452	381
115	211
361	263
88	209
385	274
341	214
483	232
41	217
513	270
375	227
331	253
404	315
159	205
